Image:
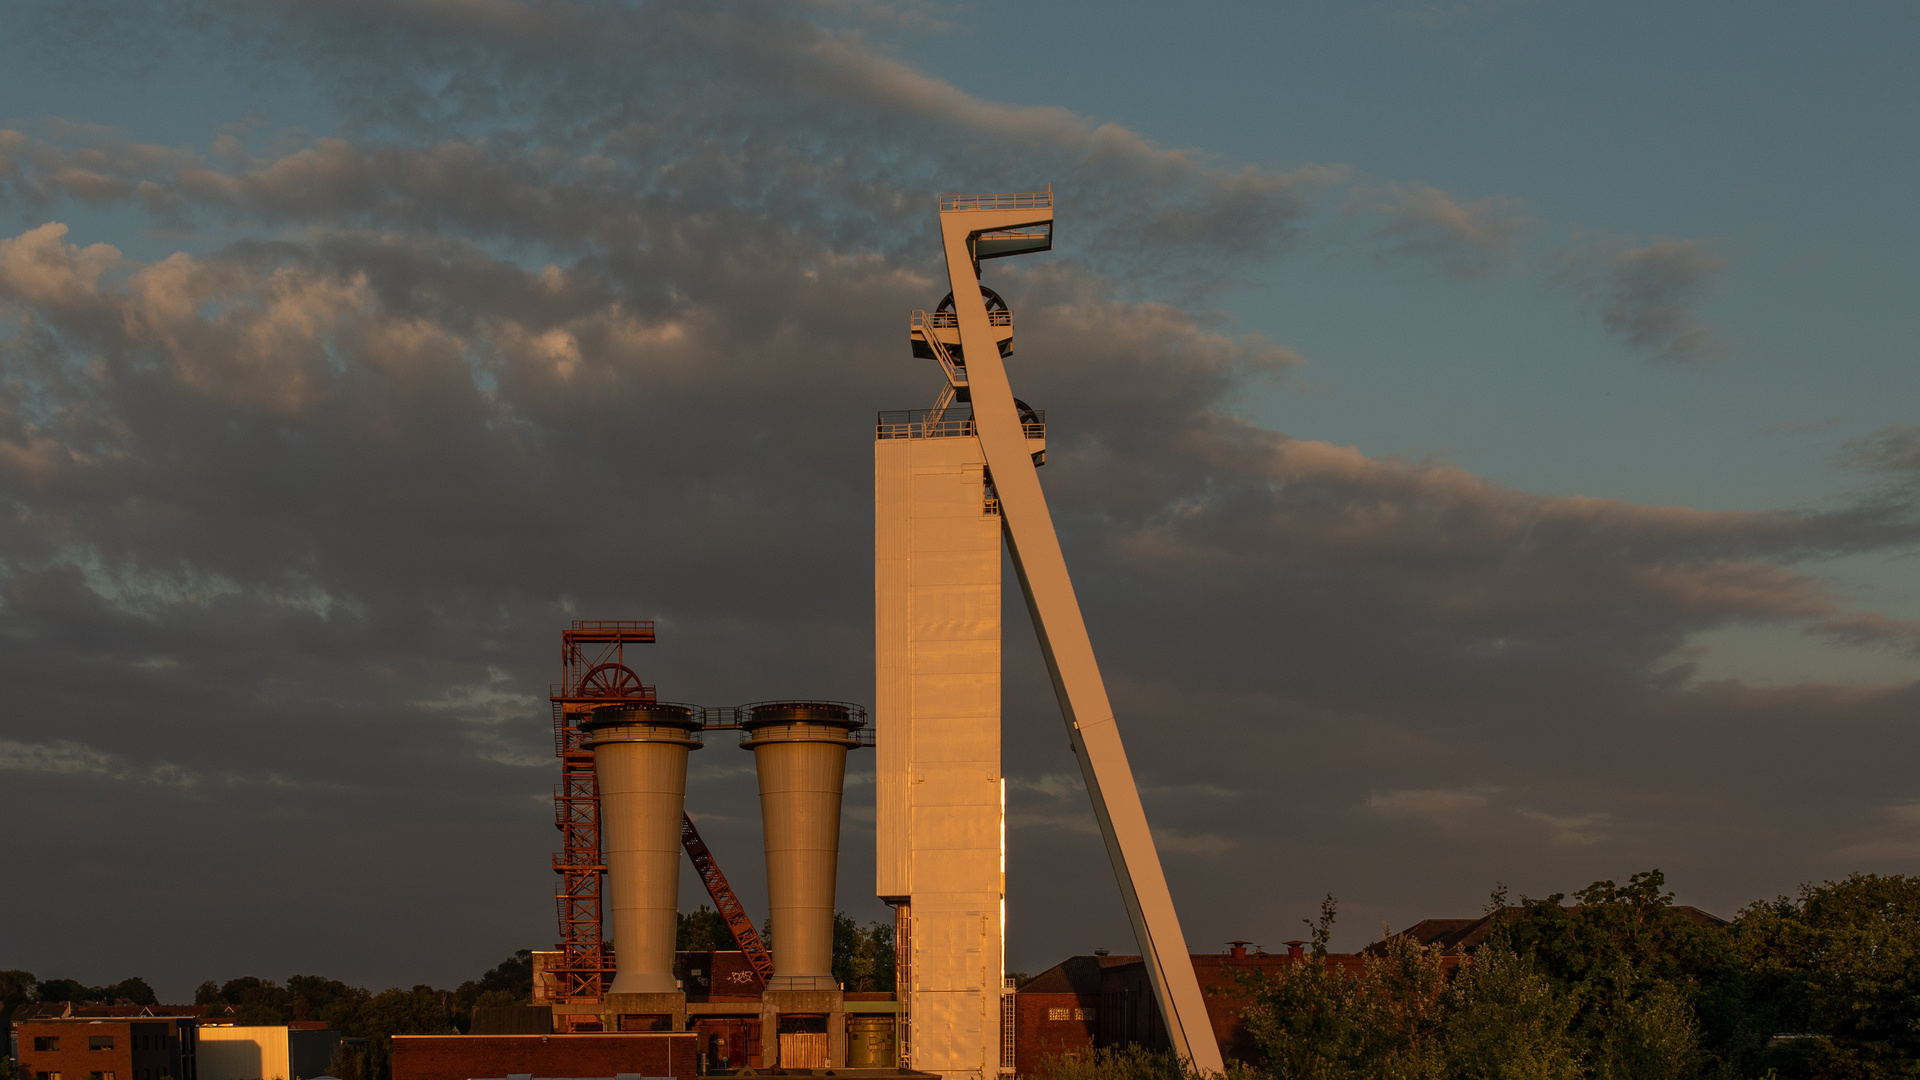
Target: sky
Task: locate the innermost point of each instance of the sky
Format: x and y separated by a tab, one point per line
1485	437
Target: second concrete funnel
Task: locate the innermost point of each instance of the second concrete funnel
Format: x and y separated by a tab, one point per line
800	753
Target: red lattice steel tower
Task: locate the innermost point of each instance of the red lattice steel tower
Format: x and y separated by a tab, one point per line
593	672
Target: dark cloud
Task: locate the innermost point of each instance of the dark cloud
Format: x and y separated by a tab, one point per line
1646	294
288	524
1893	449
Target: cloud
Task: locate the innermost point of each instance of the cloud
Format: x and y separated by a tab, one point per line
1872	629
1424	223
1052	785
1894	449
1074	822
1896	840
488	707
1269	520
1576	830
1647	294
40	267
62	757
1455	812
67	758
1430	803
588	316
1205	845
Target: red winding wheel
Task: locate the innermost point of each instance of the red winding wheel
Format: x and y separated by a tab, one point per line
611	681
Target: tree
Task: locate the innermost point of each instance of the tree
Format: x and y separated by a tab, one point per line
61	990
422	1010
1509	1022
863	957
16	989
345	1064
318	998
1651	1036
1121	1063
134	991
254	1000
510	982
1841	964
704	929
1300	1016
1640	974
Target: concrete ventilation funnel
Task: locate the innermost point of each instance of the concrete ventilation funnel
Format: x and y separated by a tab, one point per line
800	753
640	753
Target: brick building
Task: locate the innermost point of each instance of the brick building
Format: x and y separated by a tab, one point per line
460	1057
1057	1012
63	1041
1129	1015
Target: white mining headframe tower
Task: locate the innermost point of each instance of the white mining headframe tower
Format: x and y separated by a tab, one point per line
948	482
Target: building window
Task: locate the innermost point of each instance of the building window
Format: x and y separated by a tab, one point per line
1084	1014
1059	1014
108	1075
99	1042
43	1044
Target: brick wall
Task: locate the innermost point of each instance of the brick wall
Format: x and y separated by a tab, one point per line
1052	1025
462	1057
141	1051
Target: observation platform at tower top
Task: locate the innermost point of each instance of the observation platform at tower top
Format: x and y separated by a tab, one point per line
1025	220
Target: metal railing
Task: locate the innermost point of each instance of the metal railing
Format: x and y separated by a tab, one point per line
806	732
949	320
919	424
721	717
1005	200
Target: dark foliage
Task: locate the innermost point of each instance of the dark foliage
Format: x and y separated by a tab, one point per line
134	991
1619	985
704	929
862	955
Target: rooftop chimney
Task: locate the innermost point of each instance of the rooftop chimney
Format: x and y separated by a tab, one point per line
1294	948
1238	949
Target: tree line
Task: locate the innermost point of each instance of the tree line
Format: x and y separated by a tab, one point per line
862	960
1617	985
368	1019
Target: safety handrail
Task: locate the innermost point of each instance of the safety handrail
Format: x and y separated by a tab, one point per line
949	320
923	424
1005	200
956	374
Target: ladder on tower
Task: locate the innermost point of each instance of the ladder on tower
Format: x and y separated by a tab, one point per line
725	902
